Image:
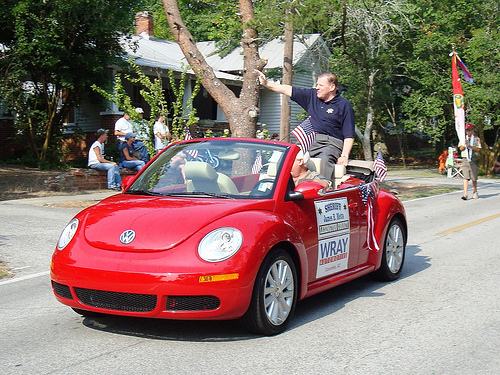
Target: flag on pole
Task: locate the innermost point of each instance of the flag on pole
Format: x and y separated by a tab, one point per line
458	95
257	164
305	134
379	167
465	71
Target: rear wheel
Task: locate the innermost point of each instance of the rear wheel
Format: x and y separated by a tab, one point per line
274	296
393	255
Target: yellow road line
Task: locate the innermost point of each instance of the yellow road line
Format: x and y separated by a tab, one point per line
468	225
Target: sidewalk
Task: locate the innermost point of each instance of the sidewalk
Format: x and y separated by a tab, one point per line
431	177
55	199
407	176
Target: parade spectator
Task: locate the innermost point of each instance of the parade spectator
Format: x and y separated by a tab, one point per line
128	160
124	126
162	134
97	161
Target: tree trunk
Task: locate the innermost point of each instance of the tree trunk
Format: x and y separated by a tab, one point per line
366	140
287	77
242	112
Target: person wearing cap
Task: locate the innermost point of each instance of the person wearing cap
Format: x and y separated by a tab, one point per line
128	160
97	161
123	126
300	171
470	155
140	128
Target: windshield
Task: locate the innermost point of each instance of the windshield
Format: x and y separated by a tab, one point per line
218	168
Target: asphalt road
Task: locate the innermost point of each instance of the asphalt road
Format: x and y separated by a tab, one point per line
441	317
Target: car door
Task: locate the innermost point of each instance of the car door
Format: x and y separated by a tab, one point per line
330	229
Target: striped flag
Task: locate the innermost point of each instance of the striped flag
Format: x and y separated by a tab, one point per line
368	194
257	164
187	137
466	72
305	134
379	167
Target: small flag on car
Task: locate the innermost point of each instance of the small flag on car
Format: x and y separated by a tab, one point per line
379	167
305	134
187	137
257	164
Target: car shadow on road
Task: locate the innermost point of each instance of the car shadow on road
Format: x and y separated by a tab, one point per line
308	310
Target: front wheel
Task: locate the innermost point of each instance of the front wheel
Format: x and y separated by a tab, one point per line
393	255
274	295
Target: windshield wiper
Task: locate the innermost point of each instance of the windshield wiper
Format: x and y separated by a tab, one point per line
144	192
198	193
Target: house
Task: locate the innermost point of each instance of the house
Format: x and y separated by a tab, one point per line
156	57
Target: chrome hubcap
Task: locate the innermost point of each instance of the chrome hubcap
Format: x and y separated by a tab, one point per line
394	248
278	292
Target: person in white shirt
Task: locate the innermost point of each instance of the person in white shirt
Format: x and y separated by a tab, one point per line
97	161
162	134
124	126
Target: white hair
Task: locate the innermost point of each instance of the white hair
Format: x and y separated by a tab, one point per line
305	158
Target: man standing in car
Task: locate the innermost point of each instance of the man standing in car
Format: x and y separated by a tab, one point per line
331	116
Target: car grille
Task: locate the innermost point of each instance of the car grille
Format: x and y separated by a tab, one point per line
61	290
192	303
116	301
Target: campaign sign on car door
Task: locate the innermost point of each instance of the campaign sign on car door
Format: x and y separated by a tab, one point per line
333	234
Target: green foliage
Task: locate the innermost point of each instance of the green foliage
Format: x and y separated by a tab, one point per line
153	93
179	122
53	50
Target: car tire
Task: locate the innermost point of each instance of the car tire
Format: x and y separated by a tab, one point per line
393	255
274	295
87	314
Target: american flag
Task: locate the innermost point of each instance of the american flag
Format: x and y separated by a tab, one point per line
305	134
368	192
187	137
379	167
257	164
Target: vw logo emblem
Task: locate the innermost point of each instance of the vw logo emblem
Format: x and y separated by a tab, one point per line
127	236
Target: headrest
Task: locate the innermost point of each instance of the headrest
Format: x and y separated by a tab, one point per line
272	169
339	170
199	170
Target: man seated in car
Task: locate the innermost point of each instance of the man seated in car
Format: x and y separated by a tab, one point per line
300	171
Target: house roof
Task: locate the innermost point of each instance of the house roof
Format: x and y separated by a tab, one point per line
164	54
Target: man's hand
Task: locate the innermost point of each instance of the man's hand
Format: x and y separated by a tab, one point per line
261	76
343	160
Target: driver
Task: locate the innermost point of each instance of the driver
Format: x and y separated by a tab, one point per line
300	171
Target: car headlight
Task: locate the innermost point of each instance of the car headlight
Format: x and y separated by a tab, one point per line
220	244
67	234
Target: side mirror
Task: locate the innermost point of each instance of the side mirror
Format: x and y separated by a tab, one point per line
127	181
307	190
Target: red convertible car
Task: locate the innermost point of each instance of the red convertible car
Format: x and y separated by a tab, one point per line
215	228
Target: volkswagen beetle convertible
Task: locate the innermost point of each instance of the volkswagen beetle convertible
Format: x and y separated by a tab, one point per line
216	229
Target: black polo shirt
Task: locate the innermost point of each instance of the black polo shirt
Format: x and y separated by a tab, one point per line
335	117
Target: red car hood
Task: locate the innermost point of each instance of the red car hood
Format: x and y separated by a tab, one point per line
159	223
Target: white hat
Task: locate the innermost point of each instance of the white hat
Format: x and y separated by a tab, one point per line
139	110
